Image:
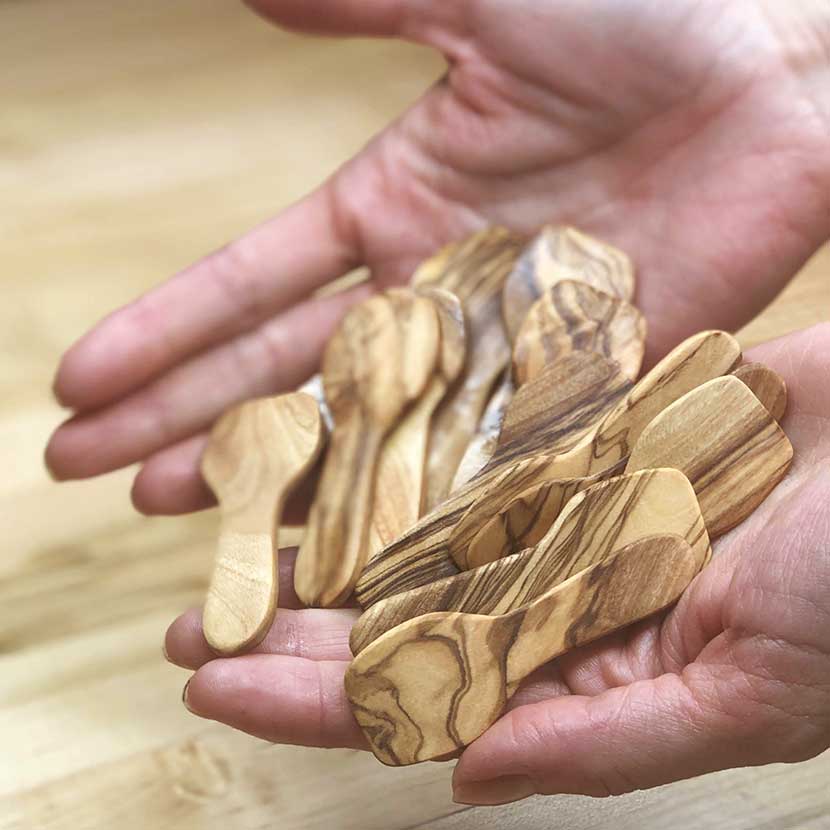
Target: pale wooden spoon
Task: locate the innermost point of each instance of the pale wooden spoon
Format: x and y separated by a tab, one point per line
432	685
399	485
375	365
257	452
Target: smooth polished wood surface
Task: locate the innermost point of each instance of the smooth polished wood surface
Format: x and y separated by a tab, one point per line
257	453
103	196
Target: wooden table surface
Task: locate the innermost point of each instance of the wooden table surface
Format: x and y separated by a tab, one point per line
133	138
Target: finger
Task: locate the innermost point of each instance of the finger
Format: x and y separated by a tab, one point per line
229	292
419	20
634	737
315	634
277	356
170	483
285	700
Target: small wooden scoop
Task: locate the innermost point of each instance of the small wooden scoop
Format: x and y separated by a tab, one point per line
562	253
597	521
376	364
474	270
399	487
719	435
575	316
257	453
434	684
700	358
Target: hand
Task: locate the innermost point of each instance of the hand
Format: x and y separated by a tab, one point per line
692	134
737	674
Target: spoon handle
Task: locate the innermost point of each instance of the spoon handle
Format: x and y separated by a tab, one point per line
335	547
633	583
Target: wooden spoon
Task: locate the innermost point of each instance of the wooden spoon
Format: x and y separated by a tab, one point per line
434	684
562	253
474	270
719	435
700	358
727	444
575	316
595	522
768	386
399	486
257	452
376	364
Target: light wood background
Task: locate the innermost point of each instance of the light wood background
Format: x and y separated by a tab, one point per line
133	138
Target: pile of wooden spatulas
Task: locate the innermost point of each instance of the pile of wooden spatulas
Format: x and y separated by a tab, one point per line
499	486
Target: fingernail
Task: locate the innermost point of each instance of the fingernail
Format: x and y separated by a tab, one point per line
185	700
503	790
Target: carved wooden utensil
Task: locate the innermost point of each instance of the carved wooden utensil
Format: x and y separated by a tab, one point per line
562	253
575	316
586	385
594	523
474	270
767	385
422	555
727	444
434	684
399	484
375	365
696	360
257	453
719	435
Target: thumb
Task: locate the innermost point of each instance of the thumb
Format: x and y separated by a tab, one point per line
634	737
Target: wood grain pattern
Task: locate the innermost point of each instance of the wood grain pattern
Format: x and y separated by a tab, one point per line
563	253
432	685
767	385
377	362
483	444
598	520
726	443
587	385
474	270
477	539
258	451
575	316
399	483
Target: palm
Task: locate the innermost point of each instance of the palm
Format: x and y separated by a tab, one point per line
677	131
744	657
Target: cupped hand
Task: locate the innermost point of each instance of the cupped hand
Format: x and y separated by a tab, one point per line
737	674
691	134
